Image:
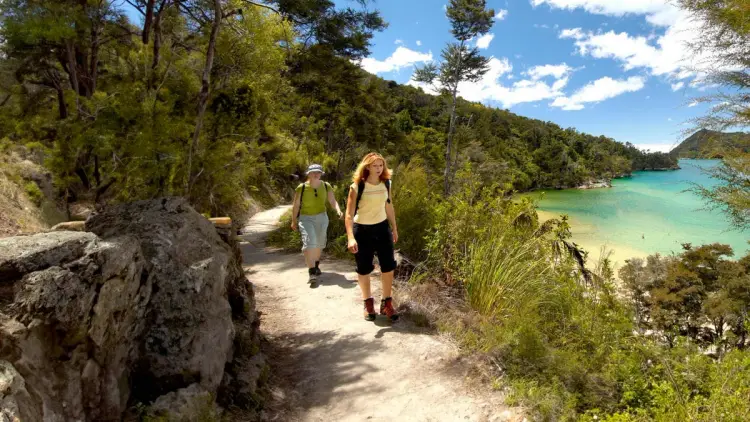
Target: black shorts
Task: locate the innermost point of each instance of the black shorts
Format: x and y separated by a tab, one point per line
372	239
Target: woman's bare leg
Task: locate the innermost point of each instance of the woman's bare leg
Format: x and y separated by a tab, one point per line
387	279
364	285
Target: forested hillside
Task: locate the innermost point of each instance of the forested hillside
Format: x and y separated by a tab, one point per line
710	144
224	103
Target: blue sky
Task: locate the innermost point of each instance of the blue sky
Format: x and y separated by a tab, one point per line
605	67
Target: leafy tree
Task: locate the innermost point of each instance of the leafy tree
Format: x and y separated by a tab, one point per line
461	63
724	57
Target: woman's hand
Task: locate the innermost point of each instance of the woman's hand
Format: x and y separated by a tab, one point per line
395	235
294	224
341	214
352	246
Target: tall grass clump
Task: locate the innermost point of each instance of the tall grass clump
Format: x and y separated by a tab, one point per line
507	276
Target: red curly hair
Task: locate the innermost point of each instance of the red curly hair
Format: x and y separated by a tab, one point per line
362	172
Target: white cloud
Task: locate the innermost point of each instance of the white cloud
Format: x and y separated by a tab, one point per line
677	86
398	42
574	33
664	55
693	104
669	119
484	41
659	12
655	147
599	90
401	58
501	14
491	90
419	43
556	71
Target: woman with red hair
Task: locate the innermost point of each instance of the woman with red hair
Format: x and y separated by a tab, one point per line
371	229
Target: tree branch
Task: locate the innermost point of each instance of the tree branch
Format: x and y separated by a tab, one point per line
265	6
135	6
232	13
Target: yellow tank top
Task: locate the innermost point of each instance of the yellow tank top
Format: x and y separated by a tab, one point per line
372	205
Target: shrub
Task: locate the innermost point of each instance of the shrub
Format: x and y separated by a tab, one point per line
34	193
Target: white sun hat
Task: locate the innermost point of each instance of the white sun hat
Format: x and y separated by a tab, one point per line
314	168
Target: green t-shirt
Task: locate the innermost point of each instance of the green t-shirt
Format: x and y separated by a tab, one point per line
312	204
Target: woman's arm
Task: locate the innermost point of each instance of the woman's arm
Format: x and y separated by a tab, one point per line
334	204
391	213
295	210
351	201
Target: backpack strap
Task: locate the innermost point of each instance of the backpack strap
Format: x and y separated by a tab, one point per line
360	191
299	210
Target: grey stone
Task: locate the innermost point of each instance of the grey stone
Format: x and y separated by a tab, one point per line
150	306
23	254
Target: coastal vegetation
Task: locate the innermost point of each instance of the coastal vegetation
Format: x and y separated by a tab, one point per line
707	144
222	106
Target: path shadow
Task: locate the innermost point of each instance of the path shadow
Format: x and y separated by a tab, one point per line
336	279
314	369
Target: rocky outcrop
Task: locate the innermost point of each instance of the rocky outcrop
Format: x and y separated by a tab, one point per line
596	184
148	306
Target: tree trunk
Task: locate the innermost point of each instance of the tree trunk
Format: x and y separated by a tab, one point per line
451	128
157	44
72	72
203	97
147	21
61	105
157	35
93	62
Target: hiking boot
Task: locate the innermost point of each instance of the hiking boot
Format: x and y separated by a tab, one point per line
370	309
313	276
317	271
386	308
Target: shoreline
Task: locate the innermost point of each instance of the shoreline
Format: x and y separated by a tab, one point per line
618	253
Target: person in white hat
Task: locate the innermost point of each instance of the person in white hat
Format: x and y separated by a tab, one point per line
310	218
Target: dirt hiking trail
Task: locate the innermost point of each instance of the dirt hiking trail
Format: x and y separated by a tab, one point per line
329	364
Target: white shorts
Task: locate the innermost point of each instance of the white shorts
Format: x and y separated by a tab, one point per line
313	229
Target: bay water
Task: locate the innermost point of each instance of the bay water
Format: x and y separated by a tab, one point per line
650	212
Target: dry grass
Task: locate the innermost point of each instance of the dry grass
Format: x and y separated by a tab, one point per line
18	214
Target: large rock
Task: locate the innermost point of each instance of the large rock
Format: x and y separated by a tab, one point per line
16	404
24	254
190	330
141	308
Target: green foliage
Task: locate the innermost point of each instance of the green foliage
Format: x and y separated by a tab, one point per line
573	347
413	189
724	30
469	18
697	294
34	193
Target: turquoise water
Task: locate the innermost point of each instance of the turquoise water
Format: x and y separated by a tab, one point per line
645	214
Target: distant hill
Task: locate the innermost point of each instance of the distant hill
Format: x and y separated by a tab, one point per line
708	144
